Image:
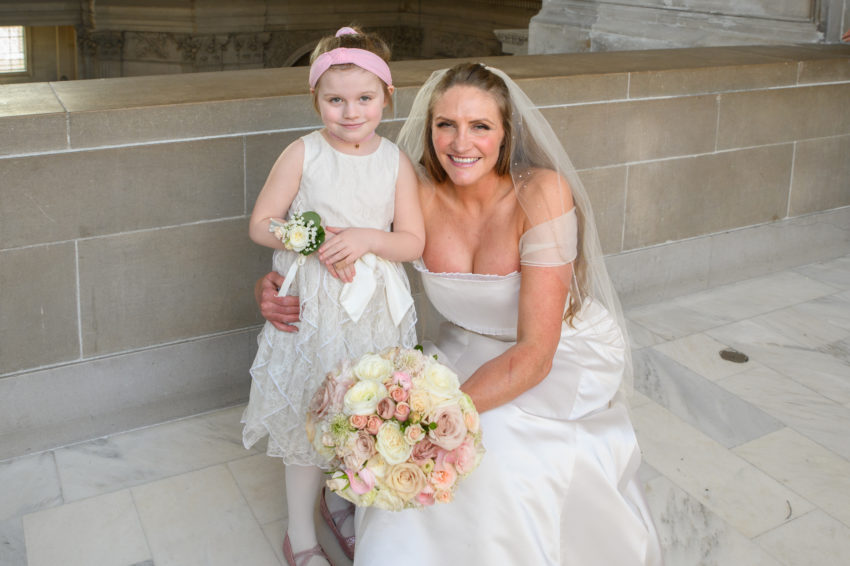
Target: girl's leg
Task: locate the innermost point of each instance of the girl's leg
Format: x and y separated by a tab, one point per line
302	486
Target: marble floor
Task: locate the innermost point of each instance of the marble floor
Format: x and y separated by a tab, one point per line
744	463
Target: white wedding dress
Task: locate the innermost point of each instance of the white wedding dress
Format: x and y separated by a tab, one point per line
557	485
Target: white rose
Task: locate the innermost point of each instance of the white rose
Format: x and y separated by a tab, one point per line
363	397
386	499
391	444
299	237
440	381
372	367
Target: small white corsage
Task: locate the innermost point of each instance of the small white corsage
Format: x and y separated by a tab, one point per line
302	233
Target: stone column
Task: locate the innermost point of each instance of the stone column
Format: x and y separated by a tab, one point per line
564	26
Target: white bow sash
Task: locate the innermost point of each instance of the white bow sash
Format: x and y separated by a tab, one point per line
355	296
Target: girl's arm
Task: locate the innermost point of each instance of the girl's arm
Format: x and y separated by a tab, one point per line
542	299
404	243
277	195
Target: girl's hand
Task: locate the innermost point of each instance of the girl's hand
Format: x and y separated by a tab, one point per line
345	247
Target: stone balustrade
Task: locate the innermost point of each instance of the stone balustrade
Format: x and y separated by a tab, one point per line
126	271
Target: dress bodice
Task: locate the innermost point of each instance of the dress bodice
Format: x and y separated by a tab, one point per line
348	190
485	304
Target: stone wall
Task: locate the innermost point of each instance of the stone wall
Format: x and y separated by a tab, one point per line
126	270
569	26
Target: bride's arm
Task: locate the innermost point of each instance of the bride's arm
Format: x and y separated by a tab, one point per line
542	298
543	295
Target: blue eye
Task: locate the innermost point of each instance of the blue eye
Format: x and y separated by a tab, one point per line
365	98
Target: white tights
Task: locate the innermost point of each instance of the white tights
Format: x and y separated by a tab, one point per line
303	484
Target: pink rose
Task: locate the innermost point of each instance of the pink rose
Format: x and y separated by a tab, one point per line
359	448
398	393
464	456
451	430
322	398
361	482
424	450
402	411
403	380
386	408
373	424
358	421
426	496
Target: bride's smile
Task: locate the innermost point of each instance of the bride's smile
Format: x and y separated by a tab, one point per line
467	132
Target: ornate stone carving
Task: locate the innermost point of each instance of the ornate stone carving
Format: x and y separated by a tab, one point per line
149	45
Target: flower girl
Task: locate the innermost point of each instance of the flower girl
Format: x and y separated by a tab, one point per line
354	294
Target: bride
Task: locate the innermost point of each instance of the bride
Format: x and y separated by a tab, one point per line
512	261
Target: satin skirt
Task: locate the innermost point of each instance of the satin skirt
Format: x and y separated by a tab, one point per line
557	485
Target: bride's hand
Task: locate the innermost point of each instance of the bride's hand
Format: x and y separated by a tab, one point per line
282	312
342	271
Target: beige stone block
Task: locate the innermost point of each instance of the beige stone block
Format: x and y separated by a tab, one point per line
781	115
683	198
261	152
658	273
82	194
596	135
38	307
713	79
158	286
607	190
32	134
821	175
45	409
825	70
135	125
167	90
546	91
31	119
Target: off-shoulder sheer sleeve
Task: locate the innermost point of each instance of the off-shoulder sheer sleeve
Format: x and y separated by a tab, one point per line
550	243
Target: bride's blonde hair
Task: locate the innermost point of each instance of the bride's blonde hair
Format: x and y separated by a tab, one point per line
513	158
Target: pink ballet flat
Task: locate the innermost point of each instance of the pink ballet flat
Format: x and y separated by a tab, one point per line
331	519
304	556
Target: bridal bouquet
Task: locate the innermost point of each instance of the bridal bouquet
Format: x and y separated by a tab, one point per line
396	429
302	233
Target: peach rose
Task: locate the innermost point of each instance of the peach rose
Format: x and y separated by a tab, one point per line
443	477
398	393
402	411
443	496
373	424
451	430
413	434
358	421
406	479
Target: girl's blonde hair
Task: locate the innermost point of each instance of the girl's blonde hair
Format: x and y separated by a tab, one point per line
360	40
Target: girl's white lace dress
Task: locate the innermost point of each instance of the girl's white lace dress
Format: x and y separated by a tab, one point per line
346	191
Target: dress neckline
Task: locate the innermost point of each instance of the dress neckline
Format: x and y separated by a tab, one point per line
355	155
420	266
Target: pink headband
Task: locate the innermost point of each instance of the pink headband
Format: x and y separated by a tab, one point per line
341	55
